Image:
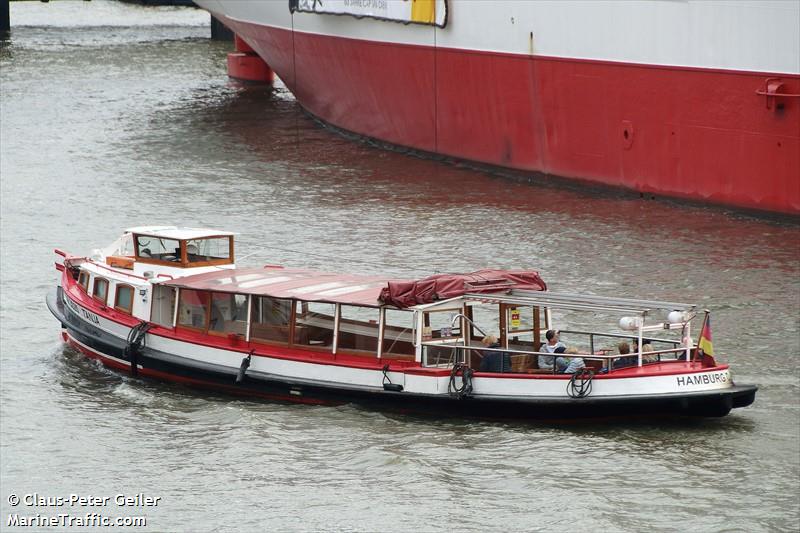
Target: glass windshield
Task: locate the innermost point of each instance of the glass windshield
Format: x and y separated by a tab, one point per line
211	249
158	248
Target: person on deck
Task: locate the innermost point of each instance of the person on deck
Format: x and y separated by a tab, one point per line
625	349
648	357
569	365
493	361
553	344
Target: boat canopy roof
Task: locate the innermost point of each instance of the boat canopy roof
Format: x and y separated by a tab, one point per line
174	232
279	282
578	302
349	289
445	286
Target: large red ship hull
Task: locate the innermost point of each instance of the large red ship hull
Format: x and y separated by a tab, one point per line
693	133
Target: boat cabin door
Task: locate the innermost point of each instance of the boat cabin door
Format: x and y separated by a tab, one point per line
520	329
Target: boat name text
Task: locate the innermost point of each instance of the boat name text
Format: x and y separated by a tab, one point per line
91	317
703	379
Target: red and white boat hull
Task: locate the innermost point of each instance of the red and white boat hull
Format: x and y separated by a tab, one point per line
295	375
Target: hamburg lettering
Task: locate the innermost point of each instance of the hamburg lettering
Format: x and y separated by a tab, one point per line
702	379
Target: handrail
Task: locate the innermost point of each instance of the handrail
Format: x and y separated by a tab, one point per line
550	354
618	336
581	355
590	357
767	93
465	317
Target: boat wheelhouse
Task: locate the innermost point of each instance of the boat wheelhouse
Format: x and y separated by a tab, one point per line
168	303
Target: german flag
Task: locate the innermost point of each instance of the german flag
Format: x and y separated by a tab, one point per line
705	337
705	349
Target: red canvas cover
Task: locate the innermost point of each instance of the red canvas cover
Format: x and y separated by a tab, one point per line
443	286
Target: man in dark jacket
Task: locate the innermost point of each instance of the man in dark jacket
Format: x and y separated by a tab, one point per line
494	361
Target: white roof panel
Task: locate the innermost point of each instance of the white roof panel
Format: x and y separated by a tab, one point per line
174	232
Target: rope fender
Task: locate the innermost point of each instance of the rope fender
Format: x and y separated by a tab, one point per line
580	384
134	344
466	381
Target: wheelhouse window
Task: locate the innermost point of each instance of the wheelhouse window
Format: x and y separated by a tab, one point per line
83	280
163	305
213	249
123	299
314	324
193	309
157	248
358	329
228	313
270	319
100	290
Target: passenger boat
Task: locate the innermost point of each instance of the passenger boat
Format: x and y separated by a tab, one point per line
689	99
169	303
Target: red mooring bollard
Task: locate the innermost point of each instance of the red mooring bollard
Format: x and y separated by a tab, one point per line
245	64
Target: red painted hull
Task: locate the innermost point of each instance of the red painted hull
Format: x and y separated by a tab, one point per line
699	134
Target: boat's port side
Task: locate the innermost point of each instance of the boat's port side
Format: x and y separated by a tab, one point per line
295	334
194	373
488	338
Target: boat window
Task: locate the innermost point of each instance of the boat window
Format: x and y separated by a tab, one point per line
158	248
270	319
100	289
83	280
193	309
212	249
163	305
439	324
397	333
228	313
314	324
485	316
358	328
123	300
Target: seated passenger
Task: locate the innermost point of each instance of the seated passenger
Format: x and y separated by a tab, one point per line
648	357
553	344
624	349
569	365
494	361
